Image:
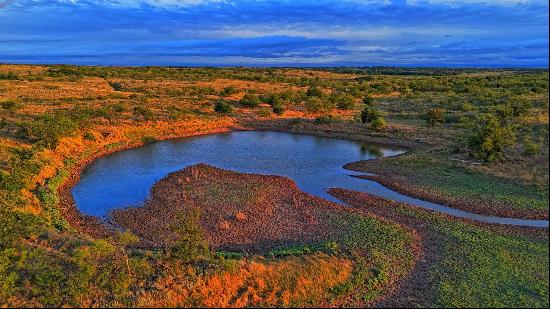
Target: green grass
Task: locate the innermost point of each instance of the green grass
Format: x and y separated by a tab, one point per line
434	173
485	268
380	250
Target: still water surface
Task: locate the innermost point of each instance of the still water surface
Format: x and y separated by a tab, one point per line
124	178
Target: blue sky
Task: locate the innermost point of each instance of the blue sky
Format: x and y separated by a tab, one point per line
472	33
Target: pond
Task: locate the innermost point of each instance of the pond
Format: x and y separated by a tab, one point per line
124	178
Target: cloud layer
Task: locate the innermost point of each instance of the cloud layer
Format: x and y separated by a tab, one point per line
255	32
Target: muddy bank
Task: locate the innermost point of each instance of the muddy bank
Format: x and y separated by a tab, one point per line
407	187
239	212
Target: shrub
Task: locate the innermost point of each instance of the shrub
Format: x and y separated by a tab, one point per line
11	105
148	139
342	100
315	104
373	118
513	109
278	109
47	131
368	100
468	107
435	116
250	100
378	124
489	138
9	75
531	148
146	113
229	90
264	112
190	244
223	107
271	99
314	92
325	119
116	86
89	136
370	114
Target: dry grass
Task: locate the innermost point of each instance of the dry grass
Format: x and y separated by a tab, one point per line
292	281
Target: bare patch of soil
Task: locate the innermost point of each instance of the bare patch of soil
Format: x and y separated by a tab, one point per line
242	212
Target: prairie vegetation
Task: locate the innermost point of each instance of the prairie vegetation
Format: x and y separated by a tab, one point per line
481	144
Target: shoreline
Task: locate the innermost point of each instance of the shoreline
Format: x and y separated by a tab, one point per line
96	227
402	187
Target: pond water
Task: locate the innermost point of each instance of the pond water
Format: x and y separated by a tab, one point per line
124	178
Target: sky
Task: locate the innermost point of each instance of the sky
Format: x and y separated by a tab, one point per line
468	33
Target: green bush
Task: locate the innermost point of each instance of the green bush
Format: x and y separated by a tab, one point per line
9	76
342	100
314	92
264	112
325	119
368	100
489	138
278	109
373	118
315	104
531	148
250	100
48	130
435	116
271	99
229	90
116	86
89	136
146	113
378	124
11	105
223	107
148	139
369	114
190	244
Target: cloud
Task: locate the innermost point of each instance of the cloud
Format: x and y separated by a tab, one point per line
275	32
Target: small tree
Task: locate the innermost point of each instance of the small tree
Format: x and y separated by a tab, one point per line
370	114
116	86
342	100
229	90
250	100
316	104
435	116
314	92
278	109
48	130
222	107
378	124
368	100
489	138
373	118
190	244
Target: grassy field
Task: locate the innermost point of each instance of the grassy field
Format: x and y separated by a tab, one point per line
431	175
480	140
469	265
